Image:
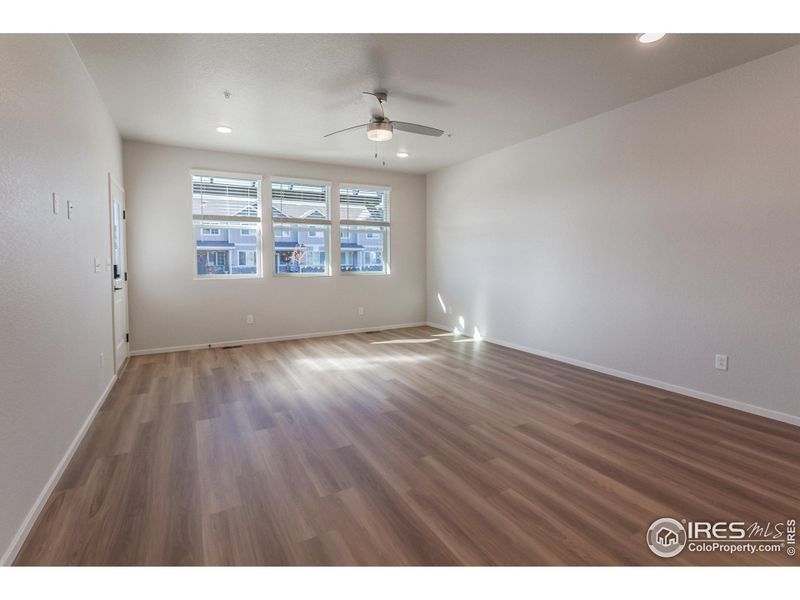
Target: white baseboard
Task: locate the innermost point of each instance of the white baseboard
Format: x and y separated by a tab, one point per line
670	387
24	529
278	338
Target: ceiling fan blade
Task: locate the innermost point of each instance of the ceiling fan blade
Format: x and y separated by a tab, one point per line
414	128
347	129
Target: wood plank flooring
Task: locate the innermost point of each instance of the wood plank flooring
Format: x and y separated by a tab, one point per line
404	447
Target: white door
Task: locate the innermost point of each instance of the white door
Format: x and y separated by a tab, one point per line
119	272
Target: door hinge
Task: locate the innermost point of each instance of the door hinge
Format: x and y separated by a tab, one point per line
123	214
126	276
127	337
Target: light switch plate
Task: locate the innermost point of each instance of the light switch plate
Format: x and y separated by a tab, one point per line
70	208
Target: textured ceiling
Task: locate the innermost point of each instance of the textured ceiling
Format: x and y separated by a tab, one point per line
288	90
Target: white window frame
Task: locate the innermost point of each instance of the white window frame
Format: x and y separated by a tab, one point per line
210	230
328	267
386	225
257	225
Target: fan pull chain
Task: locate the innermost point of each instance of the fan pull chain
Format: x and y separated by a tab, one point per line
383	161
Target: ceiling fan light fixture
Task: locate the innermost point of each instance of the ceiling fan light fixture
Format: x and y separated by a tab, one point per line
379	131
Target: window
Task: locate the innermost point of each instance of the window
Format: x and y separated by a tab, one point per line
364	229
301	223
247	258
225	209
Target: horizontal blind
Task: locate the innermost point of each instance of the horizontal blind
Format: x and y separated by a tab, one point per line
363	206
299	201
226	199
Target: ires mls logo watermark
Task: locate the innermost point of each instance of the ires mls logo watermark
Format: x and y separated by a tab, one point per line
668	537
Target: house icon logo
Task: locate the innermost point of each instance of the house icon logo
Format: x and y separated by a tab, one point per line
666	537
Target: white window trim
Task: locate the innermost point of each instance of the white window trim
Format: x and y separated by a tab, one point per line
387	226
328	271
366	186
300	180
259	274
231	174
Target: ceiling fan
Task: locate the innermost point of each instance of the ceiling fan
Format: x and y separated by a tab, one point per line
381	129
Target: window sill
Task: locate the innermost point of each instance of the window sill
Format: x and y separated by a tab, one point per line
223	277
356	273
301	274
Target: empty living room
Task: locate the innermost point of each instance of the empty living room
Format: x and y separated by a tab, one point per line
380	286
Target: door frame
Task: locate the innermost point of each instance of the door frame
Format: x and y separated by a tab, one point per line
112	184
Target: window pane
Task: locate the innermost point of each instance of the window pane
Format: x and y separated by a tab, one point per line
363	251
363	205
221	197
299	201
297	251
223	249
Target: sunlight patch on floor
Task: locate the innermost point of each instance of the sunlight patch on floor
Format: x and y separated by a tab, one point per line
333	363
407	341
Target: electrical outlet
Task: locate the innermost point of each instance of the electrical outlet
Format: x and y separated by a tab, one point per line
250	319
361	310
721	362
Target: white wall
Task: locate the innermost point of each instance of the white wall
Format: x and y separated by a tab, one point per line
55	311
644	240
169	308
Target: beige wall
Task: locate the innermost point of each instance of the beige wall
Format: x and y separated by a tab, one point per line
642	241
55	312
169	308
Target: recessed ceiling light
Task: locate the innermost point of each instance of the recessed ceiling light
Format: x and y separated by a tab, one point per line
649	38
402	155
224	129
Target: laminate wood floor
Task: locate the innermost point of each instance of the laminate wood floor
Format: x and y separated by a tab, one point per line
404	447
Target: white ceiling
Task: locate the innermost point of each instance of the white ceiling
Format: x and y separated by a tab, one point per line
288	90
